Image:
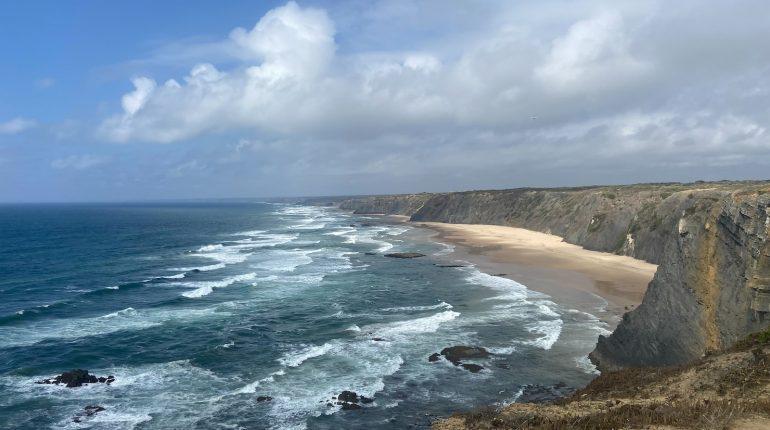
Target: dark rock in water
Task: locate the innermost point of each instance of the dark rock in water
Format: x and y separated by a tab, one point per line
93	409
352	225
405	255
370	253
349	400
544	394
88	411
76	378
366	224
501	274
450	265
329	404
348	396
264	399
195	271
456	354
473	368
378	339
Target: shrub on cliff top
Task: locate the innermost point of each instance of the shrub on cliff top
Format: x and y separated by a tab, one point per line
753	340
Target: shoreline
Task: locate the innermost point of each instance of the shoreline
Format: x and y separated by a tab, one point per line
542	262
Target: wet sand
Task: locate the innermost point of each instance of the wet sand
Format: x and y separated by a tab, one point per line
545	263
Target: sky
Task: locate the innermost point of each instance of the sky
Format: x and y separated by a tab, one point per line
146	100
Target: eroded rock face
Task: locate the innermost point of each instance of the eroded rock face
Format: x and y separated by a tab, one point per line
709	291
406	205
710	241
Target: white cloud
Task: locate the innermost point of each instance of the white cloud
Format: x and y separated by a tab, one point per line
134	101
593	54
289	40
587	82
16	125
78	162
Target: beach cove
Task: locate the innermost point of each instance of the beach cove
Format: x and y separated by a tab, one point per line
543	262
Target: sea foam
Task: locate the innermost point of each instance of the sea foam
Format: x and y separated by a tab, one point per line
204	288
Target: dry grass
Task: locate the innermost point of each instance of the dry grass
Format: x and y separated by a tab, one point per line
711	393
696	415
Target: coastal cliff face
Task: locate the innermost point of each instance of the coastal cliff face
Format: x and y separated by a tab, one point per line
405	204
710	241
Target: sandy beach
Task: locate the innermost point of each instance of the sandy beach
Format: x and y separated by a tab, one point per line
545	263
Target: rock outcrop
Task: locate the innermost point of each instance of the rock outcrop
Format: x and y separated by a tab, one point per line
77	378
456	355
405	255
350	400
710	241
87	412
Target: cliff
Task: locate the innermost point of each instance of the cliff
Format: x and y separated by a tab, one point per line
405	204
709	240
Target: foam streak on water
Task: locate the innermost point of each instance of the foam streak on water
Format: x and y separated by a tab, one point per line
199	309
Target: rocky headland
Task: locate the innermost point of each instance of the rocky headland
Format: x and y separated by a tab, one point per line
709	240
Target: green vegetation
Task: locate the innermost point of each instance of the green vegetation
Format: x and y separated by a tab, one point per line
608	195
596	222
754	340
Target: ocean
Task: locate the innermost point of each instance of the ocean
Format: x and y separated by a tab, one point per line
197	309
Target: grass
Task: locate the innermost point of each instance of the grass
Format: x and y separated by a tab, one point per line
633	397
608	195
761	338
702	415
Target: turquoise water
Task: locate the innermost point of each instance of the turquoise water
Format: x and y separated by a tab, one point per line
197	309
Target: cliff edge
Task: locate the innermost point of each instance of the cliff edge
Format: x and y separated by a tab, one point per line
729	390
710	241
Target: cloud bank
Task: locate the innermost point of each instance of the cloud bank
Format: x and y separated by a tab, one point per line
598	85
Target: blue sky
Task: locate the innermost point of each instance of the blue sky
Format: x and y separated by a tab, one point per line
85	48
193	99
